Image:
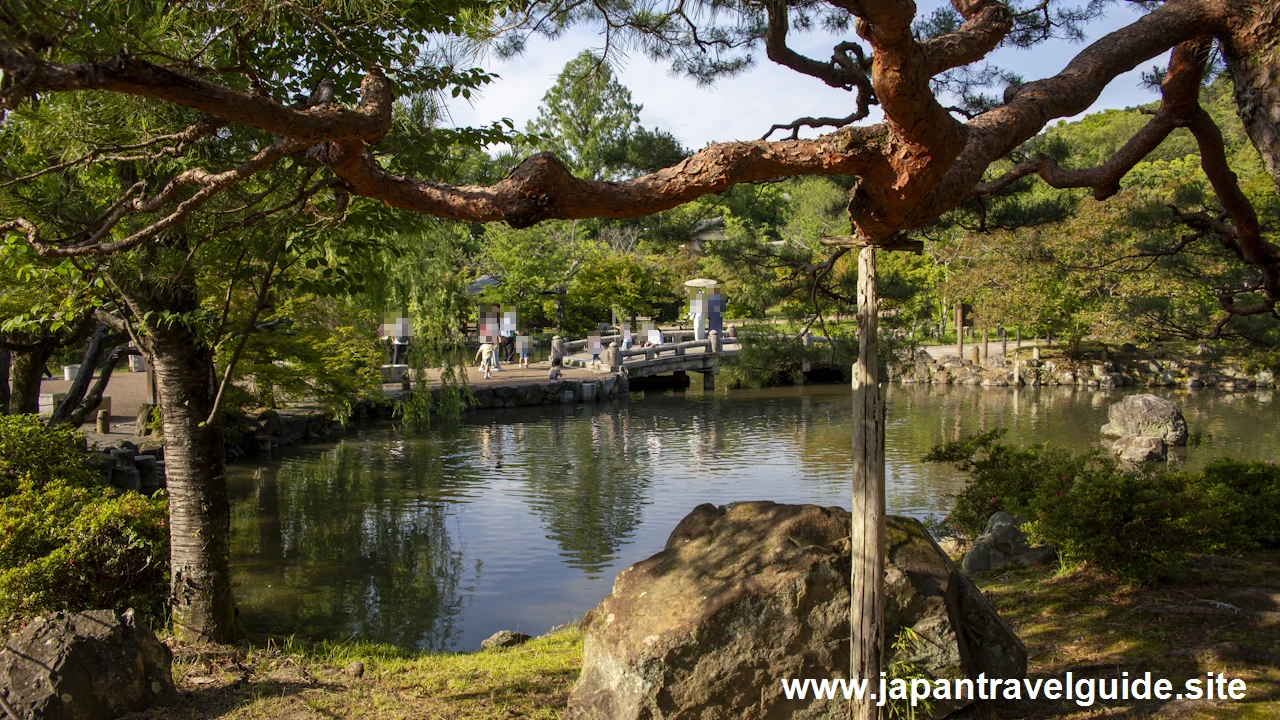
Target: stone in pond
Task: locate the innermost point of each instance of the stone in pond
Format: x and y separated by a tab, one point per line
1147	415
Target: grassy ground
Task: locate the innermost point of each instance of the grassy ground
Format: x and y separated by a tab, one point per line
1088	623
1082	621
530	681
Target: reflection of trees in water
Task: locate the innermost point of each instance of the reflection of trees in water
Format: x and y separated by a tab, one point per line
354	542
586	485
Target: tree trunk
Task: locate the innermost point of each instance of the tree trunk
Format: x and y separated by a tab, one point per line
866	598
1253	57
74	404
5	358
199	512
90	404
28	370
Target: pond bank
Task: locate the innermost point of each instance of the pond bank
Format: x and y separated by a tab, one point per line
1119	370
1080	621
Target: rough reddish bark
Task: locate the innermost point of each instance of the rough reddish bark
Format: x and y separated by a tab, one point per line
1253	58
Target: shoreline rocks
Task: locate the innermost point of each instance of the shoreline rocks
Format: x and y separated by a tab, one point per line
997	370
1001	544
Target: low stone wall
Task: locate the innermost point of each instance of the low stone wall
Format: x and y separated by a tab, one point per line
129	467
140	466
998	371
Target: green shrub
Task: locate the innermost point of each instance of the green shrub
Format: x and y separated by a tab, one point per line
66	544
767	358
31	452
1133	522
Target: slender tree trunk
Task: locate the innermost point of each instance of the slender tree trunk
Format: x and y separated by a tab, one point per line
199	511
5	358
73	403
867	543
28	370
86	409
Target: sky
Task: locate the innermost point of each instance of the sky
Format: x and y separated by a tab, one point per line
744	107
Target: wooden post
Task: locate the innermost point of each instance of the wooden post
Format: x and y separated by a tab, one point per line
960	329
867	531
986	338
867	543
977	359
1018	336
1004	342
1017	375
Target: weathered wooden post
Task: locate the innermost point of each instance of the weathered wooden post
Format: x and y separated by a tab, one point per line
867	526
986	338
1004	342
960	329
1017	374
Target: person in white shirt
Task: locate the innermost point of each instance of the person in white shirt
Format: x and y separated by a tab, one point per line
485	356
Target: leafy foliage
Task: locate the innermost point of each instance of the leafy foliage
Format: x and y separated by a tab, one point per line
33	455
1135	523
67	544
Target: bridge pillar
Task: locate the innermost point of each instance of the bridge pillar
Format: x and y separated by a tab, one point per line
708	380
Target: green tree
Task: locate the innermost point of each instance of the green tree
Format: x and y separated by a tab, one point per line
588	120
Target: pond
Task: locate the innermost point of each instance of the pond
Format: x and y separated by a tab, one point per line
520	519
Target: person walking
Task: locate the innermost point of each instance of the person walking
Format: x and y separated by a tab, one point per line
522	346
626	336
485	356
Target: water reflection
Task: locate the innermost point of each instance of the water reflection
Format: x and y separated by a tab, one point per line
521	519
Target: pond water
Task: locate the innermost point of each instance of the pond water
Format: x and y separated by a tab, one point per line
520	519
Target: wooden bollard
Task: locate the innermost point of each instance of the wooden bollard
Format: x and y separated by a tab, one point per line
977	358
104	422
1017	374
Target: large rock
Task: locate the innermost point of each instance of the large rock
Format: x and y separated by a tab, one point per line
748	594
88	666
1003	544
1147	415
1140	448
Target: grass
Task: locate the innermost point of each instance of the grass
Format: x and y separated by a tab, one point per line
1087	622
297	681
1073	619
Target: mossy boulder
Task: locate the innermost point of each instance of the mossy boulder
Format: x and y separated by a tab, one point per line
745	595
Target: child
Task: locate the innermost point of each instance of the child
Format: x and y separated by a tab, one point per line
522	346
485	356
